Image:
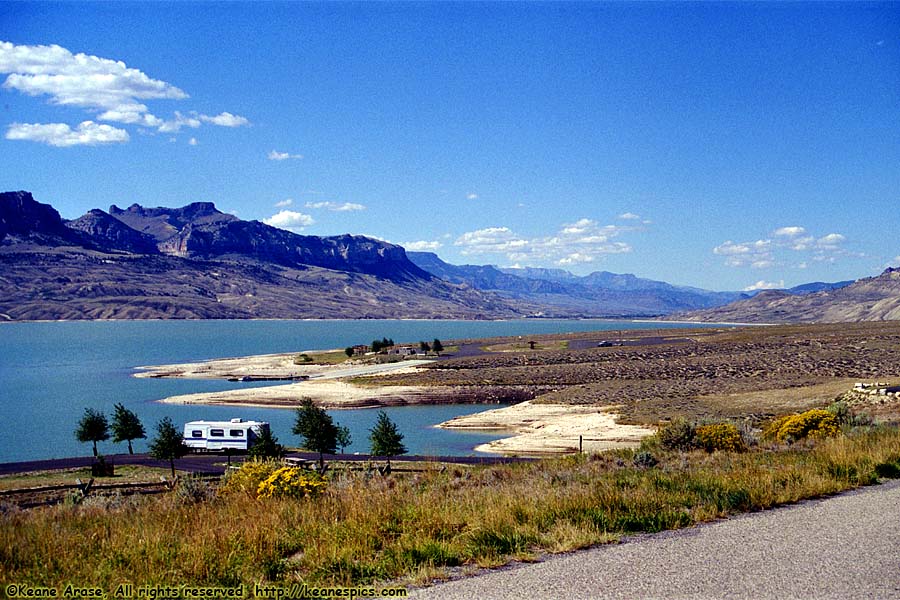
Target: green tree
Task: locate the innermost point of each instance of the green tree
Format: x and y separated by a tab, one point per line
349	351
424	347
126	426
437	346
168	444
266	445
343	438
92	427
386	439
316	429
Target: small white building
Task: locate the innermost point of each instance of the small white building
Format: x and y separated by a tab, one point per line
215	436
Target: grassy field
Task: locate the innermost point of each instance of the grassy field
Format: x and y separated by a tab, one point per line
409	528
124	474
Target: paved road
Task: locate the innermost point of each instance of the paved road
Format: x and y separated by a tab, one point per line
843	547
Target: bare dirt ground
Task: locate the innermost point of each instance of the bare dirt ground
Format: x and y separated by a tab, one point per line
648	376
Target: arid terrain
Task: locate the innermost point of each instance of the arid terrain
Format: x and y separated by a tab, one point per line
569	386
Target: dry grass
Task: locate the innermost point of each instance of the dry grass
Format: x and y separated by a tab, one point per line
124	474
412	527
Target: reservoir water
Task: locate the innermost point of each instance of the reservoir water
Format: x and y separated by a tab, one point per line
50	372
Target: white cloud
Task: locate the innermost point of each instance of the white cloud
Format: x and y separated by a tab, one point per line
285	202
290	220
583	241
335	206
830	241
630	216
422	246
471	196
761	254
789	231
276	155
193	141
87	133
108	88
225	119
765	285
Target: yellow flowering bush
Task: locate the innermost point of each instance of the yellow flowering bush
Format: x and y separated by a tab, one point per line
249	476
291	482
815	423
719	436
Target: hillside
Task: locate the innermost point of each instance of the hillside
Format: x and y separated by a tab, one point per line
196	262
869	299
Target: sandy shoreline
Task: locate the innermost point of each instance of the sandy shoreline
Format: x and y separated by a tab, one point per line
551	429
534	429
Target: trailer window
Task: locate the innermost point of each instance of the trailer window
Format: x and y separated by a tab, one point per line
216	433
196	433
236	433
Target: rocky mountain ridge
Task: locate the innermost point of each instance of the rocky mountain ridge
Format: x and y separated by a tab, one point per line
196	262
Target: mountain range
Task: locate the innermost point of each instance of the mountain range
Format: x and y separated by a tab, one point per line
198	262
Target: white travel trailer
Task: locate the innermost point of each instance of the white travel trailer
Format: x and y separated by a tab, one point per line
214	436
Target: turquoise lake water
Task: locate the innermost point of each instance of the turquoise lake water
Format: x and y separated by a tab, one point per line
51	372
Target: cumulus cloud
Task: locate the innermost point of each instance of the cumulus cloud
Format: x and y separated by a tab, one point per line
422	246
583	241
790	232
107	88
289	220
761	253
61	135
765	285
193	141
630	216
471	196
276	155
285	202
830	241
336	206
225	119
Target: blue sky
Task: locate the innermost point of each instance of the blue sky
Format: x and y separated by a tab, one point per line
725	146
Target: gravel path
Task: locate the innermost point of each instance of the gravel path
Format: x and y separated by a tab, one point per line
845	547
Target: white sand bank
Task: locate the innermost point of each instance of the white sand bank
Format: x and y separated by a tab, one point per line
541	429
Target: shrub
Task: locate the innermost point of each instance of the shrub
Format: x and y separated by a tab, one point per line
247	479
841	411
719	436
291	482
816	423
677	435
644	460
192	490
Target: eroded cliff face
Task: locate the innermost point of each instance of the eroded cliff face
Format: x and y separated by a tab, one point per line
200	230
22	216
196	262
109	233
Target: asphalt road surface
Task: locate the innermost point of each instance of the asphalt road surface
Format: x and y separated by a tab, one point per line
844	547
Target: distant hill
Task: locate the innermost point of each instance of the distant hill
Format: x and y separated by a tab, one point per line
197	262
556	292
869	299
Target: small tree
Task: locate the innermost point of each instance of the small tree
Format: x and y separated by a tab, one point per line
266	445
316	429
425	347
386	439
349	351
343	437
92	427
437	346
168	444
126	427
